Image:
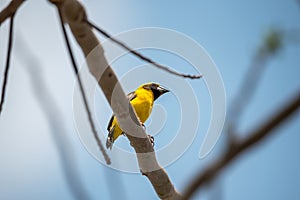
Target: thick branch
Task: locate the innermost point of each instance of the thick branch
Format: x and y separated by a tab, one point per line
238	147
10	10
74	14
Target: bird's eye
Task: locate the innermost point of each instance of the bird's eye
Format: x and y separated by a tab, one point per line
155	85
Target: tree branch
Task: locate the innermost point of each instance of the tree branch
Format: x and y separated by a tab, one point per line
10	10
271	44
74	14
66	153
239	147
142	57
10	43
87	109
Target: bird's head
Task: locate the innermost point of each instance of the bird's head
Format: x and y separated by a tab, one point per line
156	89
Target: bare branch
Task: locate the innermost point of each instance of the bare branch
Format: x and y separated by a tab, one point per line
142	57
10	42
239	147
248	87
10	10
75	68
74	14
56	122
271	44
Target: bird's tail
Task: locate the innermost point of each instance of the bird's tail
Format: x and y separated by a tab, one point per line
110	138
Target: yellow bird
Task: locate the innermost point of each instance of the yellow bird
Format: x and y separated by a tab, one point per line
142	101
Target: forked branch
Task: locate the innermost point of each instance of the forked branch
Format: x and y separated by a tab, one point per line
10	10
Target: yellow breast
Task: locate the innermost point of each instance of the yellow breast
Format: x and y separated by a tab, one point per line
143	103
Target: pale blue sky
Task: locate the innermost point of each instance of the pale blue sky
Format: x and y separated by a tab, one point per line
230	32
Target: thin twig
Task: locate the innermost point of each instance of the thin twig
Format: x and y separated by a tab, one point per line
10	43
245	92
10	10
75	68
239	147
271	44
146	59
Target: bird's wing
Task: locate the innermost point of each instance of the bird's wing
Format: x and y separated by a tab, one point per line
110	122
130	97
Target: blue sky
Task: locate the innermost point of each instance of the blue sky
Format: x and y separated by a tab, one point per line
229	31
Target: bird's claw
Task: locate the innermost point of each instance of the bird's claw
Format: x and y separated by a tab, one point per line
144	127
151	138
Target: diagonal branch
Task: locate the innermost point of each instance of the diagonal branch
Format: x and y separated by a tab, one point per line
74	14
10	10
271	44
239	147
66	153
10	42
75	68
141	56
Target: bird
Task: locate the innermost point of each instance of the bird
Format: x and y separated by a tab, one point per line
142	100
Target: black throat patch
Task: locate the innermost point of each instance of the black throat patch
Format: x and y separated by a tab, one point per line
156	93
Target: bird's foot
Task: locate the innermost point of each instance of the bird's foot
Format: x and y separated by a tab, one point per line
143	125
151	138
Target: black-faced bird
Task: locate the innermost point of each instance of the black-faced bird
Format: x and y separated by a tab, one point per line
142	100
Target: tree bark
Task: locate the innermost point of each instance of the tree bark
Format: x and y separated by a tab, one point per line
75	16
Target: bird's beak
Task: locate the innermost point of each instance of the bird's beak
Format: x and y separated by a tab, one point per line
162	90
